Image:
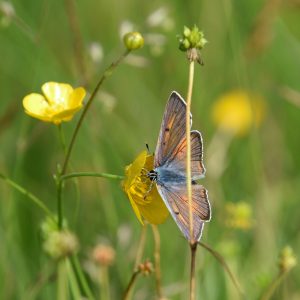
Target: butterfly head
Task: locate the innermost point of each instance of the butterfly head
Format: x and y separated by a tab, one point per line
152	175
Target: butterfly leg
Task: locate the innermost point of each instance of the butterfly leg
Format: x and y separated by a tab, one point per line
149	190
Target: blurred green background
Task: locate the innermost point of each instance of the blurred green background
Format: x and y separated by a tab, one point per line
253	178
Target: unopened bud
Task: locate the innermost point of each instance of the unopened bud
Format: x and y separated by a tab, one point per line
133	40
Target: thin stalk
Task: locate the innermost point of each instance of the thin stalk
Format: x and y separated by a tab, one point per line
81	277
193	244
157	261
222	261
62	284
141	247
193	248
72	280
188	146
91	174
62	138
29	195
273	286
59	204
130	285
107	73
104	283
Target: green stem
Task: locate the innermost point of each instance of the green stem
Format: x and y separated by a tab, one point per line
59	203
62	138
90	174
72	280
141	247
29	195
157	261
193	248
62	284
81	277
188	152
273	286
104	283
107	73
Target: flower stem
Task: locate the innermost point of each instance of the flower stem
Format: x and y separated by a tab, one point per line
157	261
141	247
72	280
91	174
29	195
107	73
222	261
193	248
130	284
273	286
193	243
62	138
104	283
62	288
81	277
188	146
59	203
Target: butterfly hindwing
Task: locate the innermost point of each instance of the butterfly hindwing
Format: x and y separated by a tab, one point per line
175	198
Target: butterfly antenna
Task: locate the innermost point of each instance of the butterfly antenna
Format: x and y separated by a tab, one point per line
148	149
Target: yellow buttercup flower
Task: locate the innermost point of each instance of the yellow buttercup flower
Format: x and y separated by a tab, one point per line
147	204
237	111
59	103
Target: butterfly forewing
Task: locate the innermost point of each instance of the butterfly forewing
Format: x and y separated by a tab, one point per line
177	160
175	197
172	130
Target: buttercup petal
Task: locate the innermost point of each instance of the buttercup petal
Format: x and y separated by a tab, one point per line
65	115
155	212
135	208
57	93
76	98
134	170
36	106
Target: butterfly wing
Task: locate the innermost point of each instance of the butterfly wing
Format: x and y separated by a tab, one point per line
177	159
172	130
175	198
171	148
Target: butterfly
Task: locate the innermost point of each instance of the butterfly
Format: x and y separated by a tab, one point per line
169	171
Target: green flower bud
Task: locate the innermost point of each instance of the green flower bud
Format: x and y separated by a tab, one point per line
133	40
191	41
191	38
